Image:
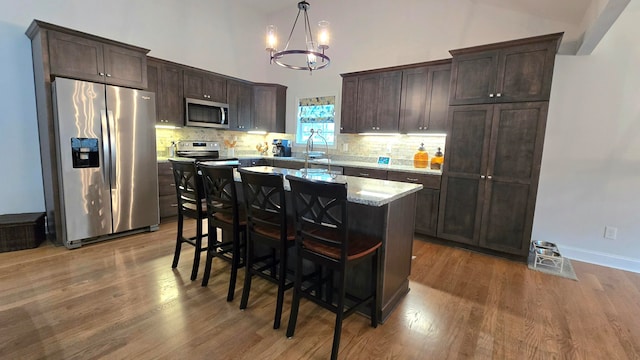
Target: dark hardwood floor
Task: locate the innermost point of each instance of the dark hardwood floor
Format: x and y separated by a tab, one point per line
120	299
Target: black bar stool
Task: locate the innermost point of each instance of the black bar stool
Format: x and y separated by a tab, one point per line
323	238
267	226
190	193
223	212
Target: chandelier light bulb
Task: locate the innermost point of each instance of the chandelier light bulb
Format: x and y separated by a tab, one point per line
272	38
323	35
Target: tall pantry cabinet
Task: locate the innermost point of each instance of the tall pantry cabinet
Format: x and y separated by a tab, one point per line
496	122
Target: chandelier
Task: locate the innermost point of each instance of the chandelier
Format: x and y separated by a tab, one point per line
312	57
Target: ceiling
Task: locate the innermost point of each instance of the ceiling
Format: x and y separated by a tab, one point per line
591	18
567	11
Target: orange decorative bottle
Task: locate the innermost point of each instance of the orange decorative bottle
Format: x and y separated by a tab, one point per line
421	158
437	161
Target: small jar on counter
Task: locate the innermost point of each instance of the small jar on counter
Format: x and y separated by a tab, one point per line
437	160
421	158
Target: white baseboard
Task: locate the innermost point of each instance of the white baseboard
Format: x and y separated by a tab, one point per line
600	258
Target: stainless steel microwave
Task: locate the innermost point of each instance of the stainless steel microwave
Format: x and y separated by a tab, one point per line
205	113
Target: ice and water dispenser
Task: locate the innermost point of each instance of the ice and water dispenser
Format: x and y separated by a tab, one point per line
85	153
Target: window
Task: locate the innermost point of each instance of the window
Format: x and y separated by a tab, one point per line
316	113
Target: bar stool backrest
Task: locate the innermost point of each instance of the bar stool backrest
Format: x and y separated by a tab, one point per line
189	189
320	210
264	198
220	191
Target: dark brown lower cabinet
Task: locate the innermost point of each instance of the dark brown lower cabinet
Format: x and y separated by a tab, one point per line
167	191
490	179
427	200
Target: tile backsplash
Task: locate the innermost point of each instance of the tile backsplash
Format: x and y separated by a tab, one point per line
399	148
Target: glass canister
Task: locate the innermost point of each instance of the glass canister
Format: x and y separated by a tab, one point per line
437	160
421	158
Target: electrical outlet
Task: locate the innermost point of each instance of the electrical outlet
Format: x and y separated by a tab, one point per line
345	147
610	232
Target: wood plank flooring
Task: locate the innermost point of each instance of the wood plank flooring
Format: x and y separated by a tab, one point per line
120	299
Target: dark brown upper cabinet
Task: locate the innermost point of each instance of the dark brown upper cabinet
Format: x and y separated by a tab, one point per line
269	108
512	71
84	57
165	78
425	99
240	99
349	105
378	106
490	179
205	85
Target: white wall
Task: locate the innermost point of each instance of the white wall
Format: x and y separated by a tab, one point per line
590	164
590	173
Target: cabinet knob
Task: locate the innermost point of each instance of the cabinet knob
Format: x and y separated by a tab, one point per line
364	174
482	176
498	94
108	75
489	177
412	179
490	95
419	127
101	73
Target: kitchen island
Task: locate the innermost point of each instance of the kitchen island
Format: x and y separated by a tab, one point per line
380	208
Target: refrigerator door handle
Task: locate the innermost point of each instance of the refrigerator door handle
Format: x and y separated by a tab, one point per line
105	145
113	146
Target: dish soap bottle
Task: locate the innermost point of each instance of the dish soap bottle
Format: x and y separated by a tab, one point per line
421	158
437	161
172	149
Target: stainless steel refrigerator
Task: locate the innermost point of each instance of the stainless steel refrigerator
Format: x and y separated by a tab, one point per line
106	155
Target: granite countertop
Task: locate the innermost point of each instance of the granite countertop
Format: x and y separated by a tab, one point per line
371	192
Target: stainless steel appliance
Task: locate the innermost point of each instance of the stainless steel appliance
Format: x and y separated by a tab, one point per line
281	148
108	176
203	151
204	113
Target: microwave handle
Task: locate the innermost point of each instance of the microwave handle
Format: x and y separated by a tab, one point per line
224	117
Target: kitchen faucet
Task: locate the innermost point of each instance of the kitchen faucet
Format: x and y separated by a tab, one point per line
310	148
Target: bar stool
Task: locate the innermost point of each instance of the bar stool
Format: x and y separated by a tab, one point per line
223	212
267	226
323	238
190	193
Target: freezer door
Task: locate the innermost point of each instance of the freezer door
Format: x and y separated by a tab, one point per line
134	168
82	138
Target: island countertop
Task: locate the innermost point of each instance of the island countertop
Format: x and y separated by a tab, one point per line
371	192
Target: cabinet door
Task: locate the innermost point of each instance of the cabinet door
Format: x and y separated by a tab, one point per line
425	99
75	57
171	108
438	94
473	78
153	84
388	113
269	108
462	188
517	137
349	105
525	72
203	85
194	84
240	97
125	67
415	102
367	107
